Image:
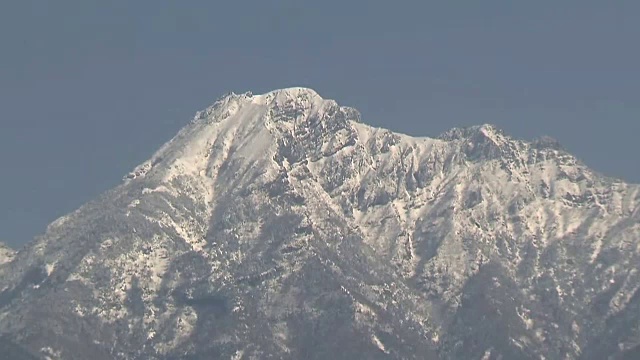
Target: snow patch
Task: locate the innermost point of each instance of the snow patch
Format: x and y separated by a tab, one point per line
378	343
49	268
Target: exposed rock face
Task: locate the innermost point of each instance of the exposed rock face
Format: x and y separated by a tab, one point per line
280	226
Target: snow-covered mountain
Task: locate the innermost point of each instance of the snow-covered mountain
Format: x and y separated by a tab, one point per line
281	226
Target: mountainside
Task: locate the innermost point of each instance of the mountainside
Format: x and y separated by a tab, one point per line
280	226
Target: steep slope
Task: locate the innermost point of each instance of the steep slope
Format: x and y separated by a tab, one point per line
279	225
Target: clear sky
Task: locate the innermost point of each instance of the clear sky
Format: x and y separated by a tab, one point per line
89	89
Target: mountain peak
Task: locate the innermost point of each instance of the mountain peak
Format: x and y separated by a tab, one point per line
496	143
469	132
250	126
280	94
292	97
296	96
293	92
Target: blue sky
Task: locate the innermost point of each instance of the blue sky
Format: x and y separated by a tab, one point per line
89	89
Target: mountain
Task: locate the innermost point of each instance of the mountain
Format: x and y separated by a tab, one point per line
281	226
